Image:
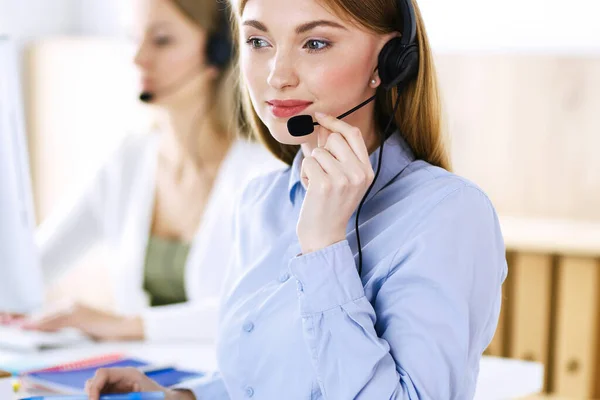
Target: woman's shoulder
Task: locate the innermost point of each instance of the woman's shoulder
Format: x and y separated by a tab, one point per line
134	145
420	177
133	153
440	195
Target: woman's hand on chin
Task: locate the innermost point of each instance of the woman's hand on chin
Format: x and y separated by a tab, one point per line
336	176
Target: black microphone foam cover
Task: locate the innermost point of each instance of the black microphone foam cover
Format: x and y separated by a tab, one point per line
146	97
301	125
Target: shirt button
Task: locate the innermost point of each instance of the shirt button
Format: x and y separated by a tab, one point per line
284	277
299	286
248	326
249	391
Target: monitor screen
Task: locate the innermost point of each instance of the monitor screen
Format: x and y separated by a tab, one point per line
21	286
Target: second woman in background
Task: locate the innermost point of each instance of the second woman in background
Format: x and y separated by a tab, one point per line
164	202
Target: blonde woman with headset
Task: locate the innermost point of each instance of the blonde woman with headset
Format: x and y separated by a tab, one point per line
164	201
366	270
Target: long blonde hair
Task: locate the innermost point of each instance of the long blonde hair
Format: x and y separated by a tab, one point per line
224	92
419	116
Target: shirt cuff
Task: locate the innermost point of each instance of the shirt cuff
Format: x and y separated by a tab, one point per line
208	387
327	278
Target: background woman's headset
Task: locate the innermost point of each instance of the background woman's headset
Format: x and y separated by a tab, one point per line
219	52
219	46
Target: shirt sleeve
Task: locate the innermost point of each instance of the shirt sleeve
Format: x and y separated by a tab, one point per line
434	307
73	228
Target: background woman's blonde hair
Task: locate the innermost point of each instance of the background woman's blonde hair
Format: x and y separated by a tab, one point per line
225	107
419	116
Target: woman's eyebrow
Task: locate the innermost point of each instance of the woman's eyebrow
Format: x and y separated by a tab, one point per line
314	24
255	24
299	29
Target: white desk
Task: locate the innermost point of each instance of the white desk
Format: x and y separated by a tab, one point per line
498	378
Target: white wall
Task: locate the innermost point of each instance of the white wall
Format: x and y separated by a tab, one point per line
453	25
26	20
513	25
103	17
479	25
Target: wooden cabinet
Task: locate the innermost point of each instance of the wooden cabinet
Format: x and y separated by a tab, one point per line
551	309
575	367
531	299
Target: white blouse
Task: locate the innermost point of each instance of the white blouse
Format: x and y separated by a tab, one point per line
115	209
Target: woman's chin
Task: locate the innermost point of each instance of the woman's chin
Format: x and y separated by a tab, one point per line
280	132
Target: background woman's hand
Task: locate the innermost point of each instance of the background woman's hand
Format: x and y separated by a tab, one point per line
97	324
11	318
337	175
125	380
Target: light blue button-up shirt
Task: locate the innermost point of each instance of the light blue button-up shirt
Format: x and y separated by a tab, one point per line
413	326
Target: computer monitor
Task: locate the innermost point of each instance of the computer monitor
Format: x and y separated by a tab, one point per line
21	284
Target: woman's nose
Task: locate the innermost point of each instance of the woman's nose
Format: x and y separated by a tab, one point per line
283	72
141	57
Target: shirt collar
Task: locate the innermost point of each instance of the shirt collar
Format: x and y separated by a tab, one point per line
397	155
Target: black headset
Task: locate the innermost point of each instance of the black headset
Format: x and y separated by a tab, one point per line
398	64
399	59
219	52
219	46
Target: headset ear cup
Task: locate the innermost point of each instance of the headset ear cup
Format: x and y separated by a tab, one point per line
218	51
386	66
218	46
409	65
397	63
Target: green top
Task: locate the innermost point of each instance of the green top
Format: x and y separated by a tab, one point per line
164	271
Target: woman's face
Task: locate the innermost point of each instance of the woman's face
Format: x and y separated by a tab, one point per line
298	50
171	53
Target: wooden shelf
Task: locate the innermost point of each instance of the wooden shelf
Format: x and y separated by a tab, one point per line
551	236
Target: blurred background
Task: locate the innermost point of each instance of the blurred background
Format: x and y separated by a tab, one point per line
521	89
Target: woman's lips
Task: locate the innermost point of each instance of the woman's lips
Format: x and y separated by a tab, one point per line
286	109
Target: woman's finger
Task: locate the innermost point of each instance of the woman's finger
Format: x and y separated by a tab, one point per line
357	172
49	323
351	133
95	385
10	318
340	148
330	165
311	171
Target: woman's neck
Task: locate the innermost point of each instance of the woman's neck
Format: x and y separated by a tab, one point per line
192	140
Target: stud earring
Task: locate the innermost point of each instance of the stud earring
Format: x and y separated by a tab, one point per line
373	81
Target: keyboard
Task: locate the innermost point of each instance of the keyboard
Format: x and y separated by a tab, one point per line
14	338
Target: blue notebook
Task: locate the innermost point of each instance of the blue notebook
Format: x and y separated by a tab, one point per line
72	381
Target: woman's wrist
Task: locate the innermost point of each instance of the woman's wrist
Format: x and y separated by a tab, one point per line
179	394
132	328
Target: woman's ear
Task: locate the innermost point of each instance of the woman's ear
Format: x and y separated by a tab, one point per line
380	45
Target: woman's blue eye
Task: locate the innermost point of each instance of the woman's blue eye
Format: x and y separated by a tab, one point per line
256	43
316	45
